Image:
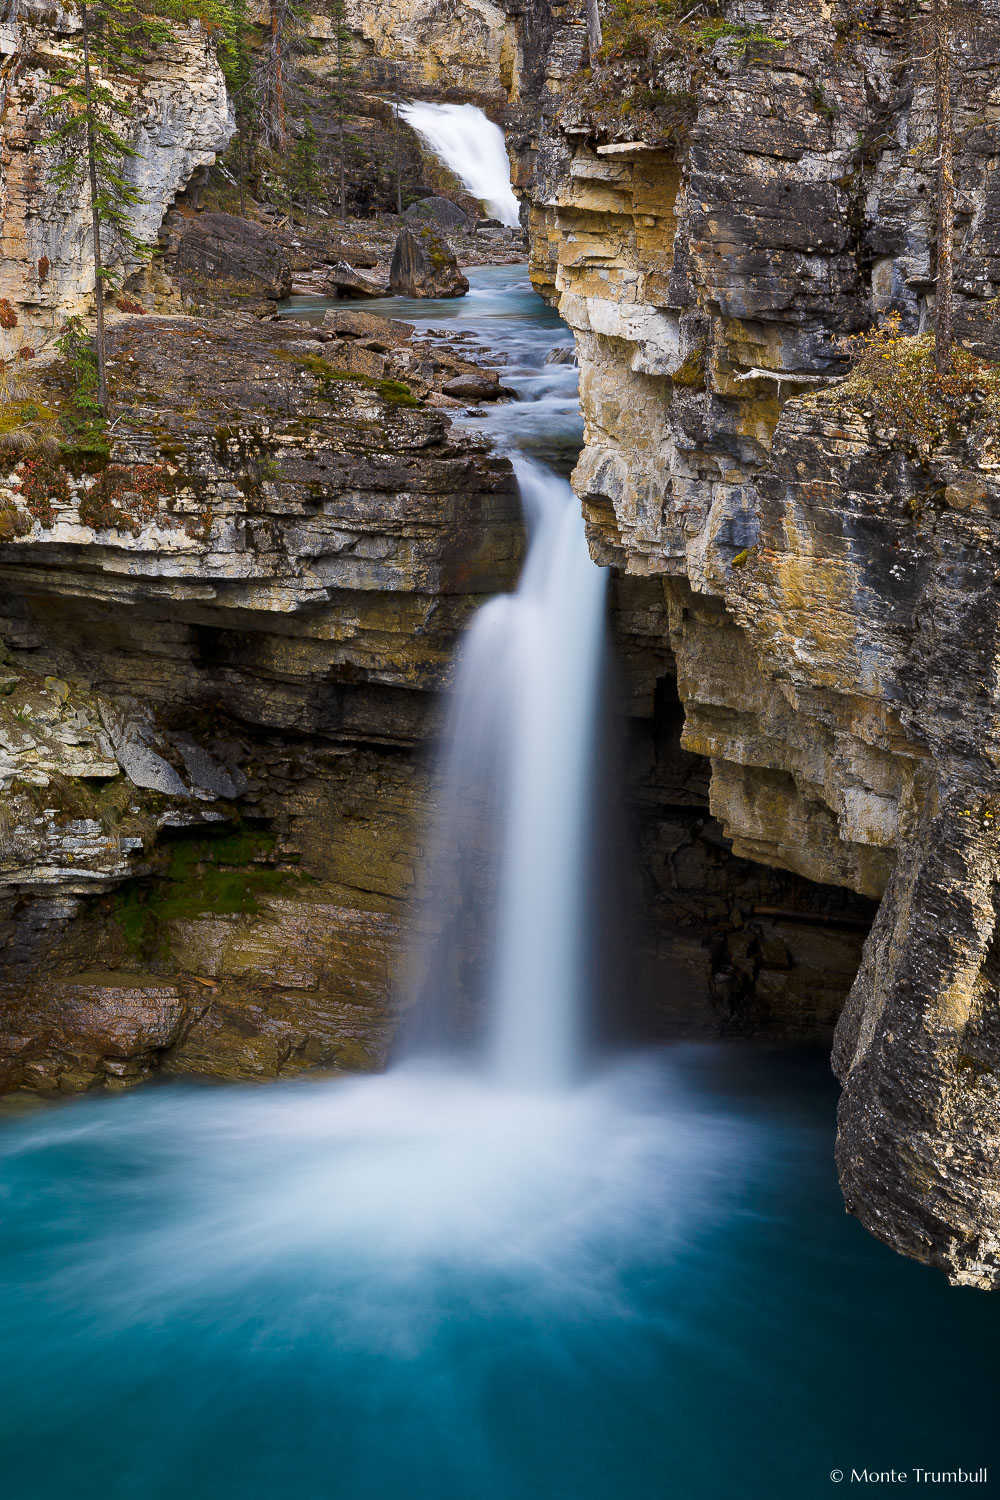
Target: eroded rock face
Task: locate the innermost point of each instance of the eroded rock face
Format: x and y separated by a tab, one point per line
830	609
182	118
223	650
218	246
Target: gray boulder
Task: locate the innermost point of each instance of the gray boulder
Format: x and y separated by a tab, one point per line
439	212
424	265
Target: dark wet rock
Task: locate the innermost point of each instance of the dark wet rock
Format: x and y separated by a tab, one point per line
424	265
440	213
482	385
342	280
365	325
223	248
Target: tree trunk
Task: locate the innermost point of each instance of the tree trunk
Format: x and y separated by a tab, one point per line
277	122
243	170
594	34
340	114
95	219
399	170
944	308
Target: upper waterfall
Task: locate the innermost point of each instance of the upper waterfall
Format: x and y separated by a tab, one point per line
474	149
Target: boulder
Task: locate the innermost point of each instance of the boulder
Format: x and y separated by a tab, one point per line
366	325
440	212
343	280
424	265
223	247
478	385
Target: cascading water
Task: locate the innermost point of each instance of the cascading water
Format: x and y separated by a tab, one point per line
472	147
437	1284
517	798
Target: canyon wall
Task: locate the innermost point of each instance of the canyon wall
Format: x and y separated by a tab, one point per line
223	644
831	598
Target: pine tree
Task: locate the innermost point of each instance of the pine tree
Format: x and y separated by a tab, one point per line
236	58
305	181
594	34
947	21
341	91
942	22
94	101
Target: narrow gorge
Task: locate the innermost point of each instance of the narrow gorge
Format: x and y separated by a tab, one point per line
509	665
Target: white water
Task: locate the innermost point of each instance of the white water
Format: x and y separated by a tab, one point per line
510	872
472	147
556	625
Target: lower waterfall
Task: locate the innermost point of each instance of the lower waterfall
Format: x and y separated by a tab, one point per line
510	862
476	1277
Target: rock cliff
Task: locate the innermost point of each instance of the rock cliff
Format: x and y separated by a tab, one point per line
711	239
181	120
222	643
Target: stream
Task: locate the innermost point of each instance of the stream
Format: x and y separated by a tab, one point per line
468	1279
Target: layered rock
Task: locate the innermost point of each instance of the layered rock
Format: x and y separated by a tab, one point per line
829	612
223	646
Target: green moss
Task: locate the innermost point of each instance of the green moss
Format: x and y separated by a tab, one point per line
327	375
15	414
692	372
220	875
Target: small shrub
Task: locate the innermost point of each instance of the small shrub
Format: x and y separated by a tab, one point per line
42	484
8	317
739	39
895	381
125	497
75	346
13	522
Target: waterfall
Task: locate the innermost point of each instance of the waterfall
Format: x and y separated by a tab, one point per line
510	871
472	147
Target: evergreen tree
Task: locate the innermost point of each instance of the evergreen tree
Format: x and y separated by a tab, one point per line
305	181
942	23
93	103
235	29
341	91
947	22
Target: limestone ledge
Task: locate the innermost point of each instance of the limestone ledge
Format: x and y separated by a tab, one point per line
221	644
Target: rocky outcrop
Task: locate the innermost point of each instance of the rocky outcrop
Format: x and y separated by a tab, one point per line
440	46
828	592
424	265
180	119
224	639
214	247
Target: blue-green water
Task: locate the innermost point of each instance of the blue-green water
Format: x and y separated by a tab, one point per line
422	1287
503	315
417	1286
